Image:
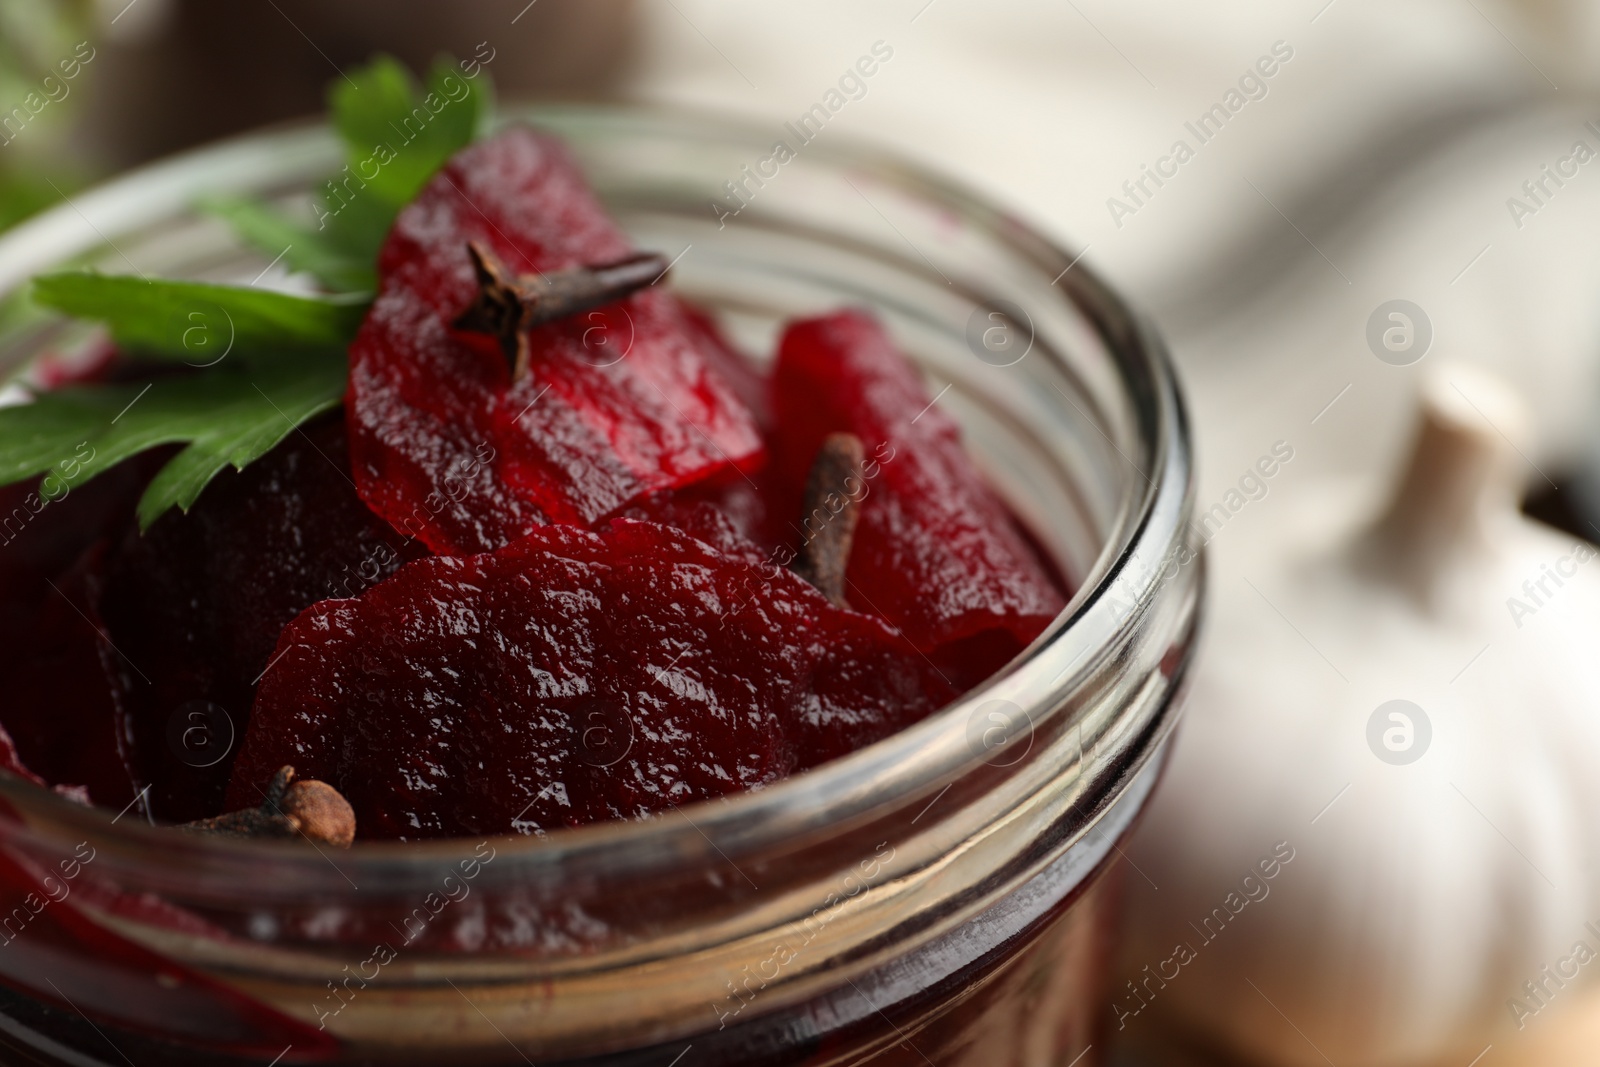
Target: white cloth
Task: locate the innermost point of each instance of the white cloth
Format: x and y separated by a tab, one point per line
1378	165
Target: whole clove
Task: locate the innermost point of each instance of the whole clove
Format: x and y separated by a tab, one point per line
835	487
291	808
508	306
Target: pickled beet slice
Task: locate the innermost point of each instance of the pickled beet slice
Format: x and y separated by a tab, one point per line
193	607
620	402
11	762
572	677
936	553
732	511
58	707
748	381
729	514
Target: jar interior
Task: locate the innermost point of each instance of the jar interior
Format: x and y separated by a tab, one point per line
1071	433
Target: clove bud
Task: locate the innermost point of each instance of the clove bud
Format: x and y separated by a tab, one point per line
291	808
832	509
508	306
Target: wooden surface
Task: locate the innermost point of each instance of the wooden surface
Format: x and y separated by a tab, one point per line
1565	1036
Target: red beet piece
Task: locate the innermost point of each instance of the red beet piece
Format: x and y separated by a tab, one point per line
935	553
11	762
58	705
572	677
620	402
728	513
749	382
732	511
194	606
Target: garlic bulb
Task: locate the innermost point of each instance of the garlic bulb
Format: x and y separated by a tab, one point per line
1409	705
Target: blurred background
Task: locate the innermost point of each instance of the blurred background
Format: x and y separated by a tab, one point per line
1364	152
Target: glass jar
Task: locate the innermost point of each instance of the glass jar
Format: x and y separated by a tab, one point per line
945	895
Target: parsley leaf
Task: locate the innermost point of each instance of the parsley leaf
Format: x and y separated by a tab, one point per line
200	324
288	361
229	416
395	137
315	252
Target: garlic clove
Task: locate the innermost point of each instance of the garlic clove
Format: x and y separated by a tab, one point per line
1458	494
1425	893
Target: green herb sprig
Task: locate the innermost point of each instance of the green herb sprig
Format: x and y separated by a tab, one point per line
235	370
395	137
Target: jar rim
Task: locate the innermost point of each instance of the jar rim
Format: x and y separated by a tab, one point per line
889	774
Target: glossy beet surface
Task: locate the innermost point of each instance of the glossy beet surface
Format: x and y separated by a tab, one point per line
572	677
619	402
936	553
